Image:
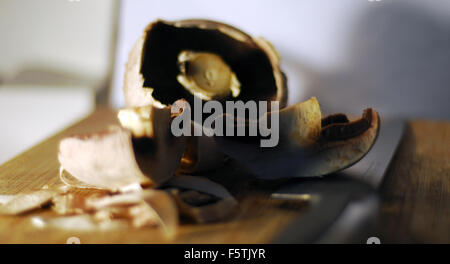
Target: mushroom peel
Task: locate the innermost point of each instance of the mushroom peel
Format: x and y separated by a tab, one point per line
119	157
208	59
324	146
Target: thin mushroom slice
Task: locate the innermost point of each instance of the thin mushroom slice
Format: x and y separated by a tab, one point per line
157	151
77	223
144	153
161	205
300	124
141	208
25	202
307	151
348	144
201	199
69	204
103	160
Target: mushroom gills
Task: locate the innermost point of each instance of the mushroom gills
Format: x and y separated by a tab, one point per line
202	58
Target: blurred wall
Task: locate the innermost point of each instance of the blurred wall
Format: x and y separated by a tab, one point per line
341	51
67	36
54	55
302	31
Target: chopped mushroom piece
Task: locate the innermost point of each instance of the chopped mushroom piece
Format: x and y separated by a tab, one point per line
68	204
306	148
145	153
81	223
144	208
103	160
301	123
158	152
25	202
200	199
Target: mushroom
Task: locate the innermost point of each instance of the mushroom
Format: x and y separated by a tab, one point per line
143	152
204	59
308	146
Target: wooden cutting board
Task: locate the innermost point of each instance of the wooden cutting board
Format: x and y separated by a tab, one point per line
415	196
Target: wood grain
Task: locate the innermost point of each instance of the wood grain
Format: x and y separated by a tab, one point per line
415	196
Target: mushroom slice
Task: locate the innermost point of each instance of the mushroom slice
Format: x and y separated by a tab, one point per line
158	152
78	223
301	123
25	202
216	61
305	147
200	199
147	154
103	160
141	208
343	144
69	204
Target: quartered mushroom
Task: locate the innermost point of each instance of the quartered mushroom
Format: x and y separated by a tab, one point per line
143	152
309	145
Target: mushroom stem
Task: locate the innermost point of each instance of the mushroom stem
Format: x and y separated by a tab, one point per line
207	76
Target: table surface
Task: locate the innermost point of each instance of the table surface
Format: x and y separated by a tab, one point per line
415	196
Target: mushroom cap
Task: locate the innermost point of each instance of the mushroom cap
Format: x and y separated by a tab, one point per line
152	68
